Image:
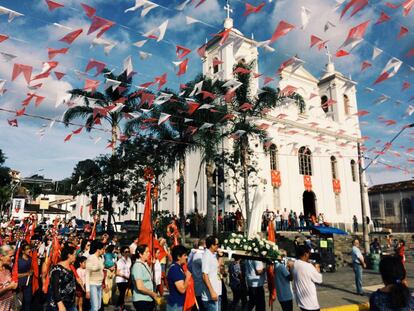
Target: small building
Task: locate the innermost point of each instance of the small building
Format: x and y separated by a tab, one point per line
392	205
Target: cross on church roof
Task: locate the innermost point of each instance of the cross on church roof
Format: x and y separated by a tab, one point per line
228	9
328	54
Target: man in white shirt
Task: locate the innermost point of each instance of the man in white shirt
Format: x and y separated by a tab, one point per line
305	275
133	246
255	277
211	292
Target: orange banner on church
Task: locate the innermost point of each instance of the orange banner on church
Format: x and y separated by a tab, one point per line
276	181
336	184
307	181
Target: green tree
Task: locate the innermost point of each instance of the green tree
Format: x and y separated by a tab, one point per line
243	125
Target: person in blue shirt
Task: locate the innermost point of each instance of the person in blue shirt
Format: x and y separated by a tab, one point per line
178	280
255	277
282	283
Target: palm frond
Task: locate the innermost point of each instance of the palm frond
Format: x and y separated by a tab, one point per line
76	112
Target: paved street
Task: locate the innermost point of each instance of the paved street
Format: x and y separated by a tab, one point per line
338	288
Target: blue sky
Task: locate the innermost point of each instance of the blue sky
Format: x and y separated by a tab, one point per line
30	36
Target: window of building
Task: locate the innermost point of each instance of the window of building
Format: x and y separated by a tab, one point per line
375	209
324	105
334	168
305	161
347	107
389	208
273	158
216	65
353	170
406	206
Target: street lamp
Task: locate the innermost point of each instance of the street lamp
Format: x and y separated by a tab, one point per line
363	186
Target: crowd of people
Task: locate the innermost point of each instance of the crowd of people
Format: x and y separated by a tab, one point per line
290	221
86	271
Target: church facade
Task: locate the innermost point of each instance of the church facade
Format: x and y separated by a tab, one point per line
309	164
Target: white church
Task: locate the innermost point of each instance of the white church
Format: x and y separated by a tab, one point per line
311	165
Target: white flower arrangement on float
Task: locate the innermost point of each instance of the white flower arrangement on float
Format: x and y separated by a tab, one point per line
255	246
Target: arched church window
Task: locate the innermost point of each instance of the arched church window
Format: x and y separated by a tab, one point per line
305	163
324	103
216	63
347	107
334	168
353	170
273	158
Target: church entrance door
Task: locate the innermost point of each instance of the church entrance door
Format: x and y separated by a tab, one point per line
309	206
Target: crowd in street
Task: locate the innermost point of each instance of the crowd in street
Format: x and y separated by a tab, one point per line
87	271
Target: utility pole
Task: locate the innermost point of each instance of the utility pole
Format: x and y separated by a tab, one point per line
363	193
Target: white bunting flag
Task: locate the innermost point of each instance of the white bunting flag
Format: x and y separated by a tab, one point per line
305	15
128	65
376	52
163	118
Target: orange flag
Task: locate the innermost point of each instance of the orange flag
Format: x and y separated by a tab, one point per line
35	268
190	298
145	233
270	269
15	272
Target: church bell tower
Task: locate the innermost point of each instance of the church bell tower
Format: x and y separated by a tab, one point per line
222	54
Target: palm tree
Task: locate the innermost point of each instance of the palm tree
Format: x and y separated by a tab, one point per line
102	105
208	140
242	124
175	133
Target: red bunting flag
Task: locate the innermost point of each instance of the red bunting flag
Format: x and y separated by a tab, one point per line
365	64
356	33
361	113
161	80
181	51
383	18
68	137
89	11
407	5
224	36
3	37
392	6
201	51
281	30
91	85
20	112
357	5
252	9
51	53
315	40
78	130
100	23
13	122
182	68
70	37
59	75
200	3
341	53
405	86
19	68
53	5
403	32
95	64
410	52
267	80
192	106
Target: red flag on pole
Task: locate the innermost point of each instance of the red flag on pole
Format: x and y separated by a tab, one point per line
145	233
270	269
190	298
35	268
15	273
